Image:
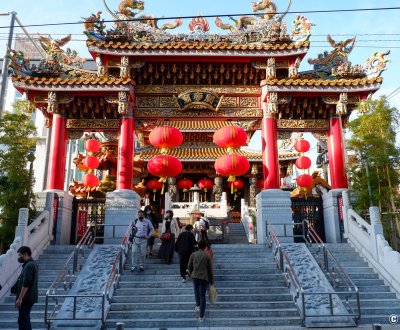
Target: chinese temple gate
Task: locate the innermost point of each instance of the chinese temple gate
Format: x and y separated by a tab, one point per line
196	82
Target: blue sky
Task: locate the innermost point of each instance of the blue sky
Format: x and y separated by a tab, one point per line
372	28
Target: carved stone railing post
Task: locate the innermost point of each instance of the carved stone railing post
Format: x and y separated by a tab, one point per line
253	191
172	189
217	189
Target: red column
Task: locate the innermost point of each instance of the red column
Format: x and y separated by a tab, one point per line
58	148
125	153
269	135
336	151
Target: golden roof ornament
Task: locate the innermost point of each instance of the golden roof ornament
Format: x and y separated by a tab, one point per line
199	24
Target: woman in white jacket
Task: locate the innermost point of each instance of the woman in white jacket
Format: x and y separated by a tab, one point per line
167	248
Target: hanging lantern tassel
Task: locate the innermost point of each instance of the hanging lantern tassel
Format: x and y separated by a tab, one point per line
154	194
231	178
162	180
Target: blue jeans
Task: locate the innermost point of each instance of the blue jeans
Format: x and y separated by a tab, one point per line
200	288
24	318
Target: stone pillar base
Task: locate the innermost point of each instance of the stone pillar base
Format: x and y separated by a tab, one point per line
331	216
274	208
64	217
121	208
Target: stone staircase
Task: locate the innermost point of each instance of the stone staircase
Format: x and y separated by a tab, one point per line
49	263
236	233
377	301
251	292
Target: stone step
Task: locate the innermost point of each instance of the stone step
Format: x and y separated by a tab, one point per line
189	297
188	305
380	310
376	319
220	285
11	323
158	323
187	289
377	302
377	288
373	295
220	313
218	277
359	282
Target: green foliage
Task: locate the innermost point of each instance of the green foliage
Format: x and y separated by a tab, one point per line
17	139
372	149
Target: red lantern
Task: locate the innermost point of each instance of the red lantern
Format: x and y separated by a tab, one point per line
164	166
237	184
92	145
91	162
90	180
185	184
205	184
230	137
165	137
260	183
302	145
232	165
304	180
303	162
154	185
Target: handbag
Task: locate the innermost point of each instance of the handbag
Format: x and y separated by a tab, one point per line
156	234
165	237
212	294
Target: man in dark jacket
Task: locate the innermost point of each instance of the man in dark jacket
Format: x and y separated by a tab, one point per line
27	293
200	270
185	245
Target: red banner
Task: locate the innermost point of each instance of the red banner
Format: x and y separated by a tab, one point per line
81	223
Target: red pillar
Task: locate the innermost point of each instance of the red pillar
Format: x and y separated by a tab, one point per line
336	151
269	135
125	153
57	157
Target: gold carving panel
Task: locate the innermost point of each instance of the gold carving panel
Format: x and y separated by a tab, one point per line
249	102
319	124
92	124
168	102
229	102
147	101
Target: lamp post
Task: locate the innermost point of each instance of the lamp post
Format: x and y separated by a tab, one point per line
6	61
31	158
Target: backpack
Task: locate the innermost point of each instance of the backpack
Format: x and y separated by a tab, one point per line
204	224
133	231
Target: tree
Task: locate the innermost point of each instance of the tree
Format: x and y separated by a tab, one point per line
374	160
17	139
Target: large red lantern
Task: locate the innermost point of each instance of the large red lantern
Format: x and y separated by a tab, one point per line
154	185
205	184
232	165
164	166
90	180
302	145
304	180
165	137
92	145
230	137
91	162
185	184
303	162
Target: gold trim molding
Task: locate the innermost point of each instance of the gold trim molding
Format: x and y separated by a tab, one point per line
303	124
92	124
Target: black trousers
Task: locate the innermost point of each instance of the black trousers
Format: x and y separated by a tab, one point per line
183	263
24	317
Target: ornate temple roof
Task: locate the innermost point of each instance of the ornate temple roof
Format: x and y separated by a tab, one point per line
298	48
200	125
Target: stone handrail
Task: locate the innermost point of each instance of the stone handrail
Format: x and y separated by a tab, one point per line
369	240
37	236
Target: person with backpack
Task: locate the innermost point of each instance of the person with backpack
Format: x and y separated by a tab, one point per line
141	230
204	226
185	246
149	214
